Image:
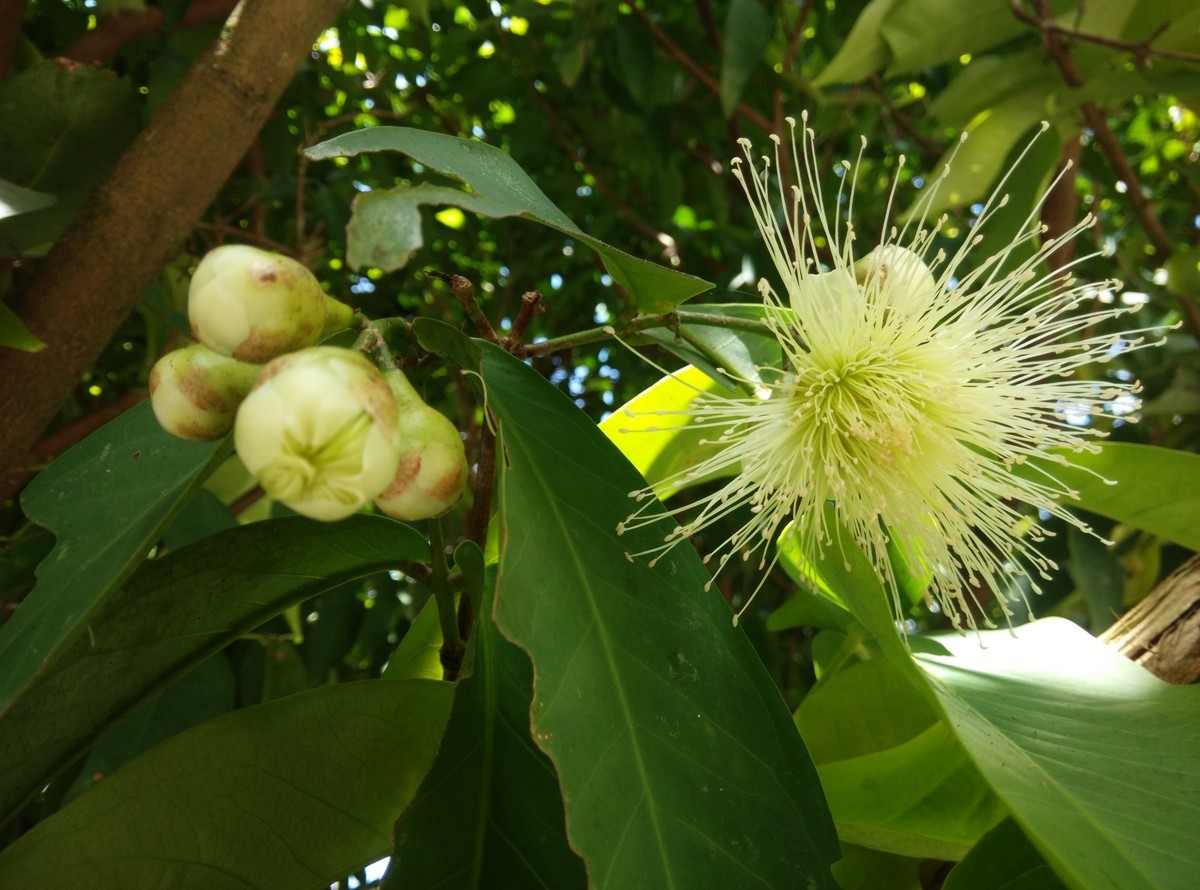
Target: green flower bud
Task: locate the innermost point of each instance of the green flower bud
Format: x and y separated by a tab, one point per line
195	393
319	431
432	475
255	306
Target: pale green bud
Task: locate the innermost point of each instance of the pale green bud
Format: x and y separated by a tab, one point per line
319	431
255	305
432	474
195	393
898	276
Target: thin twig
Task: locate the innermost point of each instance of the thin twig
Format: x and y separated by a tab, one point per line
464	292
670	320
1143	51
928	147
676	52
532	303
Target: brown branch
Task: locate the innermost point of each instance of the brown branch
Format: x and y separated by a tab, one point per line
624	211
134	222
12	14
1143	51
1162	632
1059	210
1056	43
929	148
710	83
114	31
464	292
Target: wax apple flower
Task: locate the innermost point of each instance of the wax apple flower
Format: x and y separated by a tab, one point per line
914	383
195	393
319	431
432	475
255	305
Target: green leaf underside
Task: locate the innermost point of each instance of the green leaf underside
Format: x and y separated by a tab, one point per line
490	805
683	767
1089	752
1098	760
136	478
297	792
498	188
171	615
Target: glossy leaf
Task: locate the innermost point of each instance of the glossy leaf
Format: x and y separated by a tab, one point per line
129	469
1097	759
490	806
1155	489
171	615
678	761
297	792
498	188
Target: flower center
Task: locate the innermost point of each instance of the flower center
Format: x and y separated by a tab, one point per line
328	469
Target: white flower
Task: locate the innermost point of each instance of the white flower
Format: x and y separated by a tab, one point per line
914	383
195	393
255	305
319	432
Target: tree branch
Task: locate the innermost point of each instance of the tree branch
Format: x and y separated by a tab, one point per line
135	221
12	14
707	80
112	32
1162	632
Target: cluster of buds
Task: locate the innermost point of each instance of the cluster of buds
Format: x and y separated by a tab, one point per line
324	431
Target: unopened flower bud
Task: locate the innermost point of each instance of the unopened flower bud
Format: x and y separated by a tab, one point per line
897	274
432	475
319	431
195	393
255	306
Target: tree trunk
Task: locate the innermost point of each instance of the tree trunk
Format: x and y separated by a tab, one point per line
136	220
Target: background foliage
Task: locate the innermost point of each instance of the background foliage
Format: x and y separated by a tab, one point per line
167	627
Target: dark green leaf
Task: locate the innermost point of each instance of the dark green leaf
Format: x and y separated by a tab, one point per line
1003	860
293	793
205	692
748	30
107	500
171	615
490	805
678	760
498	188
61	128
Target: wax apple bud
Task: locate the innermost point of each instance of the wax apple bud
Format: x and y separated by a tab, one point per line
898	274
432	474
195	393
255	305
320	431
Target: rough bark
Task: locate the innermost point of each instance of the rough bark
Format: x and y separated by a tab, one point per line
1162	632
136	220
